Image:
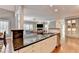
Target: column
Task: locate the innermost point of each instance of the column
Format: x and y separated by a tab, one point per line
19	16
17	32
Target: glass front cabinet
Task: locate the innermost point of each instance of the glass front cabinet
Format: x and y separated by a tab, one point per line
72	27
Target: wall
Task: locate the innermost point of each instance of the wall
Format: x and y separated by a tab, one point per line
31	22
12	24
52	24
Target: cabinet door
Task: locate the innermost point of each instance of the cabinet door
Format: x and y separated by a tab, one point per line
28	49
48	45
53	43
36	47
44	46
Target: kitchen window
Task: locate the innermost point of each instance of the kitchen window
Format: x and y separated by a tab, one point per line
4	26
28	26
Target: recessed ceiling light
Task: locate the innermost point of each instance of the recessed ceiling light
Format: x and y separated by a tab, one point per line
56	10
63	8
51	5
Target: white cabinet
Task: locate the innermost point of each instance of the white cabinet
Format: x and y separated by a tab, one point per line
72	27
36	48
48	45
28	49
44	46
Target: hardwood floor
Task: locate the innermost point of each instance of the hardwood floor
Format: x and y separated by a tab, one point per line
57	49
71	46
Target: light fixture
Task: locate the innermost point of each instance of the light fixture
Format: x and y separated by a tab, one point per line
69	29
68	21
56	10
73	29
73	21
51	5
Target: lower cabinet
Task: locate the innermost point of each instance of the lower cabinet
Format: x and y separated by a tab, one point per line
28	49
36	48
45	46
48	45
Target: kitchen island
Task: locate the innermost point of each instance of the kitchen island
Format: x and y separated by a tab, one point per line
39	43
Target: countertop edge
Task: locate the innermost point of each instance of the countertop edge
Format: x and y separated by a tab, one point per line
36	42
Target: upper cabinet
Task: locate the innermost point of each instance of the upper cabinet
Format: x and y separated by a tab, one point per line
72	27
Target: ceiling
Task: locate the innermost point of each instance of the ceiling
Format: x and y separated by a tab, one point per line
44	12
5	13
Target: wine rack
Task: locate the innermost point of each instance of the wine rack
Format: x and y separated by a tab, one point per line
17	39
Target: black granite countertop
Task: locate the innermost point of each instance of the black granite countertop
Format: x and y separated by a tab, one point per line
32	38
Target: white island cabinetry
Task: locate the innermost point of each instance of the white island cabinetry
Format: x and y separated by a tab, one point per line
44	46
